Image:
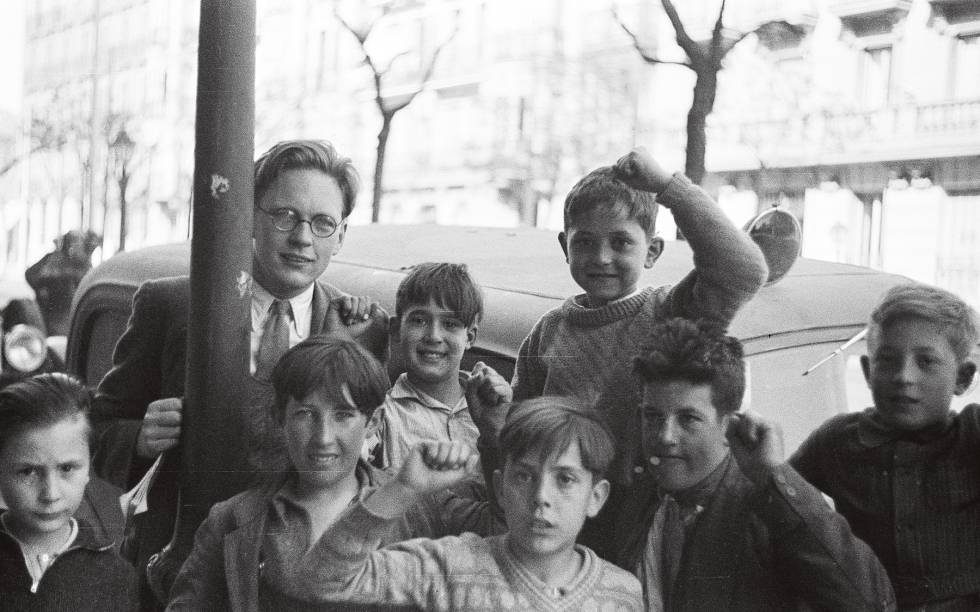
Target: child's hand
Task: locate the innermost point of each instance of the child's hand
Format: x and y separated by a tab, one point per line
431	466
757	445
487	396
436	465
639	170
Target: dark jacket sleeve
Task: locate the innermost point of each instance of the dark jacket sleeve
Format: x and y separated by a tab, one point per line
201	583
147	365
821	561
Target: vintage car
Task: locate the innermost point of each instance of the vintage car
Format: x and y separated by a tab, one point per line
790	326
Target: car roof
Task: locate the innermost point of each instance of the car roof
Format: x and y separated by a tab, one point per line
523	272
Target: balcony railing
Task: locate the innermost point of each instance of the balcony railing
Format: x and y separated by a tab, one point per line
906	131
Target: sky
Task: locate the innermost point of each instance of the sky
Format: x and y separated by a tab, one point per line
12	51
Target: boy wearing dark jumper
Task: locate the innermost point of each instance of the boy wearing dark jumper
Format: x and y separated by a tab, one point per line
584	347
719	521
906	472
50	560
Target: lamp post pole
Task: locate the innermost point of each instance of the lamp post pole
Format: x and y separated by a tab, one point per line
123	148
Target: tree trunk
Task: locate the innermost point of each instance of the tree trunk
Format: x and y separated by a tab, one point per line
705	88
379	165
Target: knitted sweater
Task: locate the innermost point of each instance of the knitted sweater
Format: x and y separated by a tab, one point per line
453	573
588	352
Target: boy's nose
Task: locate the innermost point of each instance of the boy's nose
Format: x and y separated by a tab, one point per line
604	254
667	432
542	493
50	489
906	372
324	433
434	332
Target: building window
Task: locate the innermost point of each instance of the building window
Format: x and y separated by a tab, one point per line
875	76
965	72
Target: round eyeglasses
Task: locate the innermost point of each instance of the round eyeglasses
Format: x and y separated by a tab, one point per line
287	219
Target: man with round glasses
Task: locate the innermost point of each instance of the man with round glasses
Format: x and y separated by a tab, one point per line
304	193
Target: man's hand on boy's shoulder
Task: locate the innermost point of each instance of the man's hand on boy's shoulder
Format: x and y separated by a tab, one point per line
359	318
639	170
432	466
488	395
757	445
160	430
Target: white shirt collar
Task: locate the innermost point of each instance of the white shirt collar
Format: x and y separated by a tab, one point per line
302	306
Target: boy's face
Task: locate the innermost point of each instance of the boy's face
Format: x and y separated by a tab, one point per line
683	435
286	263
432	341
607	251
43	473
546	503
913	373
323	439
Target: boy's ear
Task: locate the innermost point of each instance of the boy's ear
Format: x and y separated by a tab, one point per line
866	369
394	327
597	498
654	250
471	335
964	377
563	241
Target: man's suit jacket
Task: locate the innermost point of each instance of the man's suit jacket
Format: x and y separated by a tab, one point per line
149	364
778	549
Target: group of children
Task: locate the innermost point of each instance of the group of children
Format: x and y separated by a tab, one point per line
617	472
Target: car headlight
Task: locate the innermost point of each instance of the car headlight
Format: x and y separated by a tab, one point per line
24	348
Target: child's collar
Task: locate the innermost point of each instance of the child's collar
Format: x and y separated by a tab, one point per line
872	431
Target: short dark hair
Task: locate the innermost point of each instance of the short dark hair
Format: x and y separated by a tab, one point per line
697	352
301	154
602	187
448	284
917	300
325	363
546	426
41	401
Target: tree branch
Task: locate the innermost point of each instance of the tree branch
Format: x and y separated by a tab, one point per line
650	59
392	61
684	40
429	69
716	32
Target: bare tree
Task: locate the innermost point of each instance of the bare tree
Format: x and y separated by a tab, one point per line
387	107
45	136
705	58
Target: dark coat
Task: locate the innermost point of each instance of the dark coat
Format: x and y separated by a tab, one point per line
778	549
90	575
149	364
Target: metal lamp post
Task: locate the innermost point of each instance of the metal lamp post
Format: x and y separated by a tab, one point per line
122	147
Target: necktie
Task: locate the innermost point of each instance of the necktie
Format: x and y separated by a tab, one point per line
275	338
673	546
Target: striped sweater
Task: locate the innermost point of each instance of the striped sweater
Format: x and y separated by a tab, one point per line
453	573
